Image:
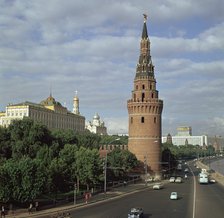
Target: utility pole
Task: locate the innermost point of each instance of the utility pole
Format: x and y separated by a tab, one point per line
146	168
105	168
105	174
75	188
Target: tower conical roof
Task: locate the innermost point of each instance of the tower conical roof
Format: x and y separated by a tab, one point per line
145	66
144	31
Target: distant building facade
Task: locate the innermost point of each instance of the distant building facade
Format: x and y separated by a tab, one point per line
49	112
97	126
184	137
184	131
217	142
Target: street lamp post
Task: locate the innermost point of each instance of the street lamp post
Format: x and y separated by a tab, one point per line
75	188
105	168
146	169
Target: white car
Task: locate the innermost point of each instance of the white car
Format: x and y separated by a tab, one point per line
186	170
172	179
157	186
136	212
178	180
149	179
212	181
173	196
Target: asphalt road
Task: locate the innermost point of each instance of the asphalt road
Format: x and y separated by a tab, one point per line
156	203
195	201
209	200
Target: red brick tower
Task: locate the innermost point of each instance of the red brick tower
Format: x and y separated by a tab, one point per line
145	110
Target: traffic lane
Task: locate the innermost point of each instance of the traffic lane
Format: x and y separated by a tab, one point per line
155	203
210	200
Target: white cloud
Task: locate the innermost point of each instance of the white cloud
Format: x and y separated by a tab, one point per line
94	47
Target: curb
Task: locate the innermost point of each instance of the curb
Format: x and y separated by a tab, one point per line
64	209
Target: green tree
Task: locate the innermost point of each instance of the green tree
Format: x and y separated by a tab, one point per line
68	156
27	137
5	147
88	140
120	162
62	137
108	139
57	176
22	180
88	167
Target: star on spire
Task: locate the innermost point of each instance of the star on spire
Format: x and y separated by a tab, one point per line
145	17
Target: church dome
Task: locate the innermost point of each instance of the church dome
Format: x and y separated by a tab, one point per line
96	116
50	101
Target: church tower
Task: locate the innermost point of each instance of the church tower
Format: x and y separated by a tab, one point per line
145	110
76	104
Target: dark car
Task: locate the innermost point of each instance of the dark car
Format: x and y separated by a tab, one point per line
136	212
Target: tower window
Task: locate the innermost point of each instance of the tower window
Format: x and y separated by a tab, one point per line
154	119
142	119
143	86
143	96
131	119
136	87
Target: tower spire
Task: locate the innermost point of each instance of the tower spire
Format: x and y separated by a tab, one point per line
144	31
145	66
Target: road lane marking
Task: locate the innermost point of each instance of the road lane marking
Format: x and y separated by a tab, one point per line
194	198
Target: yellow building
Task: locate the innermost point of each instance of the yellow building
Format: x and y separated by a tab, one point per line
49	112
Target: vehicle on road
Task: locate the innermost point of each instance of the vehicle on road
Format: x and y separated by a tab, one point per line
186	170
157	186
172	179
178	179
203	178
173	196
136	212
211	180
179	166
150	179
203	170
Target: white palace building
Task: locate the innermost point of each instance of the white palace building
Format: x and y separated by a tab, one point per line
184	137
48	112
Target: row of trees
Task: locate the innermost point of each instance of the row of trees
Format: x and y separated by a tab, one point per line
188	151
36	161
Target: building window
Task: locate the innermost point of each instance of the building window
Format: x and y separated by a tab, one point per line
154	119
136	87
142	119
143	96
143	86
131	119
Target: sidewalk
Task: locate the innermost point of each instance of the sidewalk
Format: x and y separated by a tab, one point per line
116	192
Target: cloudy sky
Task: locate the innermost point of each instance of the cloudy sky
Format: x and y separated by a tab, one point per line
93	48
